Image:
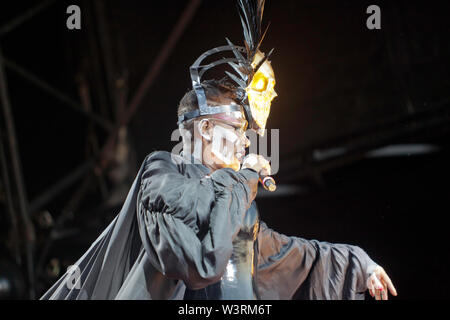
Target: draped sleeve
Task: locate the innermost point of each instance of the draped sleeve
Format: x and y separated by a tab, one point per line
187	223
310	269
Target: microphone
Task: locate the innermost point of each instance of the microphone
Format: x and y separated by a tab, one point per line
268	183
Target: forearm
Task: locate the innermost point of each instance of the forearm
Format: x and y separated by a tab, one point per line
317	270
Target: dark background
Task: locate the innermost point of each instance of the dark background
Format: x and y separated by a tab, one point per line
363	118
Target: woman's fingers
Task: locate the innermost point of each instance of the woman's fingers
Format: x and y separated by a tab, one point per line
378	288
388	282
379	285
384	292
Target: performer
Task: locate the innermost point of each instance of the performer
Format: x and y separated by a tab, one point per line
190	227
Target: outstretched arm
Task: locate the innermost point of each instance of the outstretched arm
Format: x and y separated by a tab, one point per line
313	269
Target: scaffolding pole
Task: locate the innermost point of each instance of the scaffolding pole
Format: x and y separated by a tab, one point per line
13	24
56	93
147	82
18	177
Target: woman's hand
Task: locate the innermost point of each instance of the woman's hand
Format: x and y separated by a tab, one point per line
258	163
379	283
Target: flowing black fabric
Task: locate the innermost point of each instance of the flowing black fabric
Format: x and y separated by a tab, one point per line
176	229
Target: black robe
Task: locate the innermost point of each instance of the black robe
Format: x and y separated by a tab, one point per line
176	229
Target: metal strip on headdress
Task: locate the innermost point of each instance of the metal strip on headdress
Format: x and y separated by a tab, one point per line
245	68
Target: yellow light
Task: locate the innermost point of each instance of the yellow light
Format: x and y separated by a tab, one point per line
259	84
261	92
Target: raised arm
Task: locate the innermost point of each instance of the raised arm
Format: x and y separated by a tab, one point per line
186	223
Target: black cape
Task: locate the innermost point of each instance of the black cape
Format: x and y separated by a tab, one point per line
176	228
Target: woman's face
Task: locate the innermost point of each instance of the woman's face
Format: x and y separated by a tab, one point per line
225	143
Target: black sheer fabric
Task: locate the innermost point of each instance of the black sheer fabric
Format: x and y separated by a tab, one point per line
176	229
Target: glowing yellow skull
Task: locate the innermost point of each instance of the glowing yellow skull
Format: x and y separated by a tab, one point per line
261	92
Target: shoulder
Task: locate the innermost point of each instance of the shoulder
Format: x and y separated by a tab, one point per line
159	162
164	156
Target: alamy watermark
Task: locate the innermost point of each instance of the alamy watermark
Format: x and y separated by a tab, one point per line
374	20
221	141
73	280
74	20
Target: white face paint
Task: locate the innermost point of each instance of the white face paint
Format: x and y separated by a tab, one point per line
225	141
223	144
